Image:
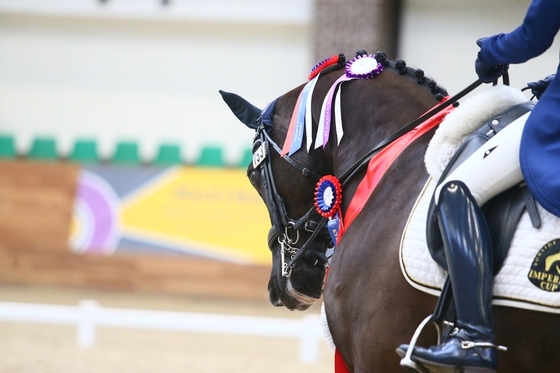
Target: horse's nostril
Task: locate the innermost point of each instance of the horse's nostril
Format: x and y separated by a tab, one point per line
315	258
274	298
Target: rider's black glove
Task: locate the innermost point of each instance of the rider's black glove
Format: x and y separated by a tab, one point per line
486	72
537	88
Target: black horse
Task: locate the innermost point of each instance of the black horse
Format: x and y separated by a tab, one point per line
370	307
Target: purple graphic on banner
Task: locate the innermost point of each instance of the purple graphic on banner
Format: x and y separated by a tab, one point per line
96	212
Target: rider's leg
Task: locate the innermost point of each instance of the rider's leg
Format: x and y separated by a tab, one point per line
467	246
468	249
494	167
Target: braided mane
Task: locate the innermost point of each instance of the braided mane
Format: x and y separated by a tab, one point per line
338	61
418	74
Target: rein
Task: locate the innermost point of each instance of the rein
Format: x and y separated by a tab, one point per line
362	162
281	222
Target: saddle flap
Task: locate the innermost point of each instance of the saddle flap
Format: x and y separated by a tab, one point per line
503	211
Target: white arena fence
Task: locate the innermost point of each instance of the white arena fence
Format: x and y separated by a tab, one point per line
89	314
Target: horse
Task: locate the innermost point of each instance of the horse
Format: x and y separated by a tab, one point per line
370	307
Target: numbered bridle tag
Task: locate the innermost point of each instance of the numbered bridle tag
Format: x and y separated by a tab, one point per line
260	154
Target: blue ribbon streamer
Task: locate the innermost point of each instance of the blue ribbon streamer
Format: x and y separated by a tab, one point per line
297	139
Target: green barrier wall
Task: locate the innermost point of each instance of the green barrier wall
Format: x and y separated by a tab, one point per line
86	150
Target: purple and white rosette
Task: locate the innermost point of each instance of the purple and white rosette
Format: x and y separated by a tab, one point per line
363	66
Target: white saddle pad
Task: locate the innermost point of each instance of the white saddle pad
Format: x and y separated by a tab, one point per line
530	277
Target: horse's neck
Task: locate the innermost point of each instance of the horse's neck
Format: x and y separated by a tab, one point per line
370	119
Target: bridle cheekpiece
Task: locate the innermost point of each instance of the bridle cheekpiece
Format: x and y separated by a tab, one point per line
284	228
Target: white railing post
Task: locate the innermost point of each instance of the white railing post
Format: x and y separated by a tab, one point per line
309	339
86	323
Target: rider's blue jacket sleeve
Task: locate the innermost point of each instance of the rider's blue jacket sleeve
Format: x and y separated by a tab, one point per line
532	38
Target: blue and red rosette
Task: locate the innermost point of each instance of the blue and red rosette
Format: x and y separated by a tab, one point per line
328	196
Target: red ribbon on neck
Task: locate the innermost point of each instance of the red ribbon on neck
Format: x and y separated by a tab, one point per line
381	162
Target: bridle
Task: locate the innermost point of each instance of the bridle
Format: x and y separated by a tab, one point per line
282	224
284	228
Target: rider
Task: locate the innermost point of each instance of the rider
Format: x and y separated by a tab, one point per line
523	150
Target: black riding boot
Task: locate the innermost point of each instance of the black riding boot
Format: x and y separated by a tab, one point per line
468	249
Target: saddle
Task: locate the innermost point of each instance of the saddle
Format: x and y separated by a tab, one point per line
512	210
503	211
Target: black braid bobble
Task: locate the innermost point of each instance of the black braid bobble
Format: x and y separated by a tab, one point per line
381	57
341	60
438	96
401	66
419	74
361	52
433	86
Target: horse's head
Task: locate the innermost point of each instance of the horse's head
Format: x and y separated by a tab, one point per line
376	107
298	238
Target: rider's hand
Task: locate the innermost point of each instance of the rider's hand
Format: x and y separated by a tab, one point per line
488	73
537	88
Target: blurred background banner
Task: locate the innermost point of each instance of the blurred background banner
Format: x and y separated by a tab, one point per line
202	212
132	228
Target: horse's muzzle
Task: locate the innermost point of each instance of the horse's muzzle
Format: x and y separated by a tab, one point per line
291	299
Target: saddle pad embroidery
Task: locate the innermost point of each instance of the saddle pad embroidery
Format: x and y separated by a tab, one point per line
511	286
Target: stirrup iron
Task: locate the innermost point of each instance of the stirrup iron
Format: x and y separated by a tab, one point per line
406	362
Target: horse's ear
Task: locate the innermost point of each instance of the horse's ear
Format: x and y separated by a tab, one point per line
246	112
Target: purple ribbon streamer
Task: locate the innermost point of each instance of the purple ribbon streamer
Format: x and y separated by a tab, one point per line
328	109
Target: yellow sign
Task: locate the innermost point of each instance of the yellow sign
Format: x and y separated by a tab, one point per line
215	210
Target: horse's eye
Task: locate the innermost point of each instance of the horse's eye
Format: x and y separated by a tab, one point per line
254	178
